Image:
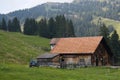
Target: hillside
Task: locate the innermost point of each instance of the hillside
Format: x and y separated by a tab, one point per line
80	11
19	48
109	22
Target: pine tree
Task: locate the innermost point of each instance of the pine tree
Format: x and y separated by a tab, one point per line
26	27
104	32
30	27
3	25
71	29
64	27
43	28
9	25
60	26
16	25
57	24
52	28
0	25
34	27
115	45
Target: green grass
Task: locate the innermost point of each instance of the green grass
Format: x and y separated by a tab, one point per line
19	48
22	72
114	23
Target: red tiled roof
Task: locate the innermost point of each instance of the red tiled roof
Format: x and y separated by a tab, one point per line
80	45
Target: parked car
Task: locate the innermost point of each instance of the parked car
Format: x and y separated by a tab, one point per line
33	63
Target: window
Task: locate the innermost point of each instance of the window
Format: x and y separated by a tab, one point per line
82	60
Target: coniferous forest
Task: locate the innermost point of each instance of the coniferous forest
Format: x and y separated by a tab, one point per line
53	27
48	28
81	12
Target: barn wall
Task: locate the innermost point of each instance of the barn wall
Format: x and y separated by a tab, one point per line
48	61
55	60
77	59
44	62
101	56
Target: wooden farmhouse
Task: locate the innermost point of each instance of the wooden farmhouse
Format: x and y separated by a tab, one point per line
79	51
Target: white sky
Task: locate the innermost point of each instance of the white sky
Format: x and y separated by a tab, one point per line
7	6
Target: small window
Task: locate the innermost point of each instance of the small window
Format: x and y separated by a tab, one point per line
52	46
82	60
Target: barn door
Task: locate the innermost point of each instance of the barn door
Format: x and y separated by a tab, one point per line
62	60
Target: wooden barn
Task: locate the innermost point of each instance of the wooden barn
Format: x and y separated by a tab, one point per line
48	59
81	51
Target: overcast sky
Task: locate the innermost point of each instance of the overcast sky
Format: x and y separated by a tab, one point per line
7	6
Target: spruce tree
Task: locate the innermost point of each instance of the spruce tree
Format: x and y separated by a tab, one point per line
115	46
60	26
26	27
3	25
57	24
71	29
52	28
104	32
30	27
16	25
9	25
64	27
43	28
0	25
56	27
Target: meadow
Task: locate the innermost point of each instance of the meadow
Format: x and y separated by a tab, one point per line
23	72
19	48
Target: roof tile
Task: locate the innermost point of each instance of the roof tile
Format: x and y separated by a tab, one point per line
79	45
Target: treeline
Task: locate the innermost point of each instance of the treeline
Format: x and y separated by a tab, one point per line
81	12
113	41
11	25
49	28
53	27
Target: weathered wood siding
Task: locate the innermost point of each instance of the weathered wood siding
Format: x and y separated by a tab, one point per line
101	56
77	59
56	60
44	61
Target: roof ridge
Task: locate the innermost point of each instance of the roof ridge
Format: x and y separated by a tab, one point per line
82	37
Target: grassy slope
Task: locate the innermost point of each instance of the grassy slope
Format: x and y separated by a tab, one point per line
19	48
114	23
20	72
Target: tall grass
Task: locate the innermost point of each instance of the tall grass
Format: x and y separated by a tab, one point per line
19	48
